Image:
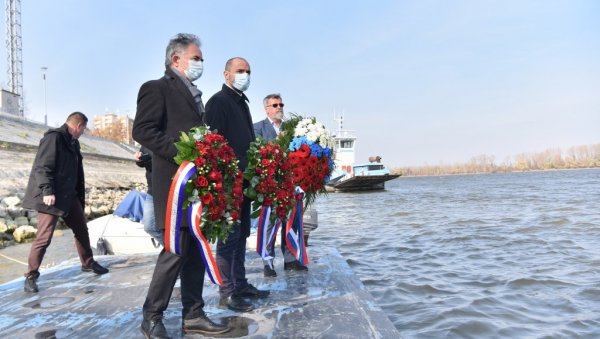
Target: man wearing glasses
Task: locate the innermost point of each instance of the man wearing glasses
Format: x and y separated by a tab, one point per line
268	129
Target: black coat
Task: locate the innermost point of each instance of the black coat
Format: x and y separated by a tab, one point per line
57	170
165	108
145	161
228	112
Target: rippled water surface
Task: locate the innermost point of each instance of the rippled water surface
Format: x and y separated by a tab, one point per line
476	256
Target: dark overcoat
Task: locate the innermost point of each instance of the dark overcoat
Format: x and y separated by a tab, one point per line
228	112
165	108
57	170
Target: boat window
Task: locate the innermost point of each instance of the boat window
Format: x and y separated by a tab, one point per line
346	144
375	167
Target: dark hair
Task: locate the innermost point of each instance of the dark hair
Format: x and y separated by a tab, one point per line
77	118
178	44
271	96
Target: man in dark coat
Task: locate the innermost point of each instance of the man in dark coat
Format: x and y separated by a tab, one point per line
268	129
56	188
228	113
165	108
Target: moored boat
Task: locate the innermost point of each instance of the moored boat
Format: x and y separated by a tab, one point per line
351	176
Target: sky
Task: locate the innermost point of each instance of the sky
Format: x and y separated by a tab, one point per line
419	82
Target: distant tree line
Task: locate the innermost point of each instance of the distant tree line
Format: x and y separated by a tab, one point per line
584	156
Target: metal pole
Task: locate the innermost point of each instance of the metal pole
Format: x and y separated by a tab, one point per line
44	69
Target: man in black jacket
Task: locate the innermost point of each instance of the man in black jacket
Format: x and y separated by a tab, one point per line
56	188
165	108
228	113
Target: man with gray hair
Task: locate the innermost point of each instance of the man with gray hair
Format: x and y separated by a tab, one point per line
268	129
165	108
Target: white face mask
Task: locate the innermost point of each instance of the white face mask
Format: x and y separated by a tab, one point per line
194	71
242	81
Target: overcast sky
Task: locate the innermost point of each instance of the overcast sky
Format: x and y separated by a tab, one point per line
418	81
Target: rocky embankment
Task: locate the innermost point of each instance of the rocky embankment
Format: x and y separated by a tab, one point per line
108	179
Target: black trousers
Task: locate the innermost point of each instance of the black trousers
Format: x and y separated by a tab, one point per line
168	265
230	260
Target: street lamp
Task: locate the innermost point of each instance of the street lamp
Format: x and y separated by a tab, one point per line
44	69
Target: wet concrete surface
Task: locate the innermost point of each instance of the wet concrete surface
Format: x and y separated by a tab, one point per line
328	301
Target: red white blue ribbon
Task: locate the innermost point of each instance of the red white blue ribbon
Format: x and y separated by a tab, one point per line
264	239
195	222
173	221
174	204
294	231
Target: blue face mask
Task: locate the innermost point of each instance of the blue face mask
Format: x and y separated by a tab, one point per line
194	71
242	81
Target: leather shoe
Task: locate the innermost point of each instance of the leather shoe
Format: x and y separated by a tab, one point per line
235	304
94	267
154	329
251	292
294	266
269	272
31	284
202	325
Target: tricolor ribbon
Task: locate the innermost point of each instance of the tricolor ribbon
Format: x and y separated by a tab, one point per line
173	221
195	221
174	204
294	231
264	239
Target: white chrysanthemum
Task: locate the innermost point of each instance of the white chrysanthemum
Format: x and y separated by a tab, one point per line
312	136
300	131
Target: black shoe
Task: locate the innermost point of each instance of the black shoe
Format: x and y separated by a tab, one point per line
269	272
251	292
31	284
154	329
294	266
94	267
236	304
203	325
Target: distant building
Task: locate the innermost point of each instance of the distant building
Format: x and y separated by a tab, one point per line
9	103
114	127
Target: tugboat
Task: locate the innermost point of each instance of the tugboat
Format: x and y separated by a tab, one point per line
350	176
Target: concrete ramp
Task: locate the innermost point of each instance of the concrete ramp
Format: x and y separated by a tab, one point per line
328	301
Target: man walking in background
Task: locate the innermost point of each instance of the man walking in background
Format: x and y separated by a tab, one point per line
268	129
56	188
165	108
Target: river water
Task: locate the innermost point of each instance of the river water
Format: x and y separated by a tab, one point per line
476	256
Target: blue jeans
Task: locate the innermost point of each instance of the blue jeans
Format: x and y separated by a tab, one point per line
149	222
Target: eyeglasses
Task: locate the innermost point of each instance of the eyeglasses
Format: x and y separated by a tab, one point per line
275	105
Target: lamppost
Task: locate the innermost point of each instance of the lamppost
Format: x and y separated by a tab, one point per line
44	69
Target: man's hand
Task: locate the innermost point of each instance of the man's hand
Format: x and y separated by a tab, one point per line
137	156
49	200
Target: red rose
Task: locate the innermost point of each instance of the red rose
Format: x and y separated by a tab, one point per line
199	162
201	181
214	175
207	199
